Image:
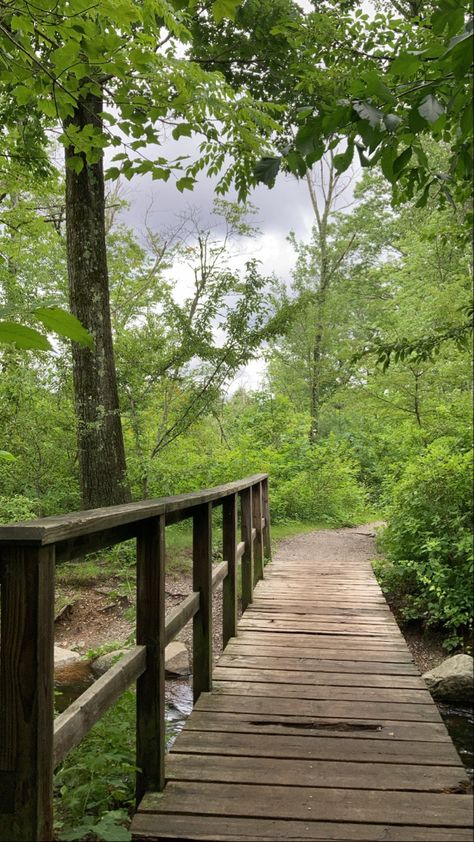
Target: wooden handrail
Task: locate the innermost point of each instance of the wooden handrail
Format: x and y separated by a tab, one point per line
31	743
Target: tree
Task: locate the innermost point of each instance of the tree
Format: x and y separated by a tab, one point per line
399	81
116	87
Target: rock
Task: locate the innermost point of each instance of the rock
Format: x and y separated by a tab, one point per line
103	663
64	656
452	680
177	659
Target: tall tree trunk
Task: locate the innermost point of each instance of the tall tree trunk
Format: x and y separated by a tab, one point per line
99	428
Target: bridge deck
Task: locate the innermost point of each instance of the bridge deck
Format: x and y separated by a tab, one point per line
319	726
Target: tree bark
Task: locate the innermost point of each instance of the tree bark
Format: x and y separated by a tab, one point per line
99	429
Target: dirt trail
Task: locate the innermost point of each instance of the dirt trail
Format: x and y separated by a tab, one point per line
97	616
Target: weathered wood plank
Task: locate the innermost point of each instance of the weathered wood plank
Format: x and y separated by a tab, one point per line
247	555
202	582
151	634
50	530
188	828
317	664
280	690
267	541
26	694
320	678
295	802
251	723
229	549
372	711
79	717
257	525
343	775
333	748
382	656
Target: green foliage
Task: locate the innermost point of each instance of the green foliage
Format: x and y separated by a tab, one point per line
429	538
17	508
398	80
325	487
94	787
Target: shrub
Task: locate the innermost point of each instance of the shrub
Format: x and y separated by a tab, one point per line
17	508
428	540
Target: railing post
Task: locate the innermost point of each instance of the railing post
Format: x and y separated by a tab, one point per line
267	543
202	582
151	633
229	549
246	535
257	523
27	694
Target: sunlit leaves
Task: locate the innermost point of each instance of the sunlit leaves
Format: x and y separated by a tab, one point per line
21	336
63	323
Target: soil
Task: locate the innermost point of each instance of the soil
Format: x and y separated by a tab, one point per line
97	615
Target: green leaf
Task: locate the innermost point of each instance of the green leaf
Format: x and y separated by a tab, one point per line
266	170
183	130
224	9
386	163
22	94
391	122
5	456
405	65
308	137
23	337
401	161
64	323
375	86
366	111
76	163
185	183
431	109
344	160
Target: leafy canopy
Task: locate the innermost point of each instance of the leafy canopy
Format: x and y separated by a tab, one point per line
130	55
399	81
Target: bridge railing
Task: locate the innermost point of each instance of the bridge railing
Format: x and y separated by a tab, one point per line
32	742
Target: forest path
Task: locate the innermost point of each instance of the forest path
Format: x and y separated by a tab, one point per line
319	725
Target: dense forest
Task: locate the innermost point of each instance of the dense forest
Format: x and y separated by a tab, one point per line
118	379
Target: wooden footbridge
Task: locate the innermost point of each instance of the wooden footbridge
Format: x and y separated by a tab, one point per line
314	724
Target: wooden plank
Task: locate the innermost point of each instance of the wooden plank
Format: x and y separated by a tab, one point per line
257	525
319	639
316	664
181	615
295	802
383	656
328	679
343	775
26	694
321	709
79	717
280	690
267	541
50	530
247	556
317	748
202	582
151	736
229	549
188	828
297	725
315	628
